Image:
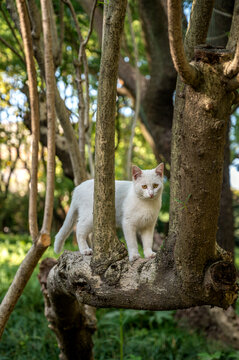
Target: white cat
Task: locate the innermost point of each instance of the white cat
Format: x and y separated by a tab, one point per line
137	206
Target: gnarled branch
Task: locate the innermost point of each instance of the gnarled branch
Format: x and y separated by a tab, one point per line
145	284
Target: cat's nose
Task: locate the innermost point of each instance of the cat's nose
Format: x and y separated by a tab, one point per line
151	195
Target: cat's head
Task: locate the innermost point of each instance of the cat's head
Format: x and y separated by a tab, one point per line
148	184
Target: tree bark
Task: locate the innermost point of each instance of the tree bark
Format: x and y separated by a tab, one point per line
107	247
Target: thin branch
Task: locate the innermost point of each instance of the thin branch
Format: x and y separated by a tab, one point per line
83	101
138	91
90	157
79	85
55	40
51	114
43	241
187	72
84	43
62	30
81	106
11	28
12	49
21	278
63	113
34	104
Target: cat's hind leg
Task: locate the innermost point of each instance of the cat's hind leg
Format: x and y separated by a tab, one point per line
83	229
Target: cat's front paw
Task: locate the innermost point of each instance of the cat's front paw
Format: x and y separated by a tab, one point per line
149	254
133	257
88	251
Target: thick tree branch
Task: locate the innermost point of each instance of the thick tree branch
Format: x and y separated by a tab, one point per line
106	245
198	26
145	284
187	72
234	31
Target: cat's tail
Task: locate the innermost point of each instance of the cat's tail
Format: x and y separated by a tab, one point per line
66	229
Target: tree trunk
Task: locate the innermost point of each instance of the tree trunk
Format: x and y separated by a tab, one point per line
215	322
72	322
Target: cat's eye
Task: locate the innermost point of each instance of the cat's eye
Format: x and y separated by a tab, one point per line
155	186
144	186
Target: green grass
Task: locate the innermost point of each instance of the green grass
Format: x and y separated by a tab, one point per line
121	334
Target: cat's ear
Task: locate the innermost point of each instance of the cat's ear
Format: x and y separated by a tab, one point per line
136	172
159	169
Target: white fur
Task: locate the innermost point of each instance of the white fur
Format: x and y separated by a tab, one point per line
136	212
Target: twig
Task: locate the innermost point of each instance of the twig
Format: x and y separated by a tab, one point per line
12	49
12	29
